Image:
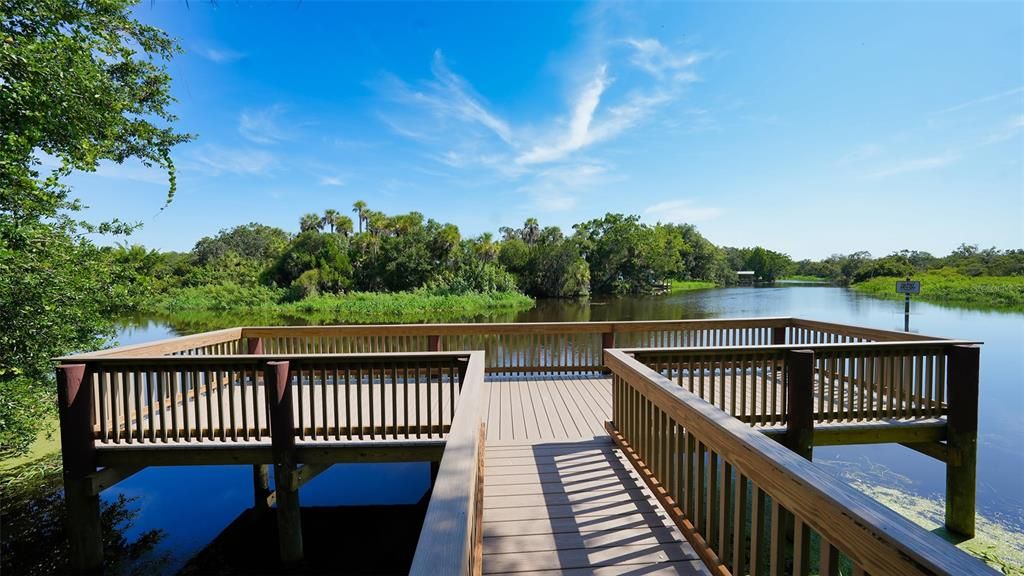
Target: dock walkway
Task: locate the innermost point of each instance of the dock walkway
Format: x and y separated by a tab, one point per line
558	497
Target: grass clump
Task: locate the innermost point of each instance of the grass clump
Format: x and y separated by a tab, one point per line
271	304
687	285
951	288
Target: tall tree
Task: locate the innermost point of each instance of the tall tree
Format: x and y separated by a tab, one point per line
310	222
330	218
82	82
359	208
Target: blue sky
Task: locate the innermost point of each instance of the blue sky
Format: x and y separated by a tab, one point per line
806	128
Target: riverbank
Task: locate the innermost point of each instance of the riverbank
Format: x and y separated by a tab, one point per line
356	307
687	285
951	289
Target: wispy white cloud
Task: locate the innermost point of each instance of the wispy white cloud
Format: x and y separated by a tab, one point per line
681	211
220	55
447	96
657	60
984	100
915	165
1012	128
216	160
331	181
590	123
579	133
262	125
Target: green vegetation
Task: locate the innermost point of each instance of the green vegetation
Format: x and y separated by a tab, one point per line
270	304
803	278
686	285
83	83
966	260
949	287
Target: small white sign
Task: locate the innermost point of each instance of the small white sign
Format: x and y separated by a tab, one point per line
909	287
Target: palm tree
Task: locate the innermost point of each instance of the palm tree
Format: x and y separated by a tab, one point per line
311	222
343	225
330	218
531	231
359	207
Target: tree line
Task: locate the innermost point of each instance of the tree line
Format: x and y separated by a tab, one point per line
966	260
332	253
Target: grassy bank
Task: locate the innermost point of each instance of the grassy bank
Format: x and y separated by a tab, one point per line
804	278
950	288
685	285
361	307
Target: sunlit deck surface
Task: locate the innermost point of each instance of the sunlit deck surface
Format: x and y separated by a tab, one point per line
558	497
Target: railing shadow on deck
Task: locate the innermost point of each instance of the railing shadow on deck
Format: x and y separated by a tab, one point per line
597	515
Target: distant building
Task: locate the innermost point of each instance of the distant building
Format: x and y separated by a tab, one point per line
745	277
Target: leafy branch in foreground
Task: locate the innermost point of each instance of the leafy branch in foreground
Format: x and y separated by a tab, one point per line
82	83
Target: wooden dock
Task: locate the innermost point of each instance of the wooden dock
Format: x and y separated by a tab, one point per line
661	447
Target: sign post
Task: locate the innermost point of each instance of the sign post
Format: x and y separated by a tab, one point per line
907	287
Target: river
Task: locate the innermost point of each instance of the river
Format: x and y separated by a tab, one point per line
216	495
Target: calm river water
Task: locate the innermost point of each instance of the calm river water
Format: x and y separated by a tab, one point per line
193	504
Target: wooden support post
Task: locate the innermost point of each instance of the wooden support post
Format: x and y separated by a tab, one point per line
78	452
433	343
260	488
778	335
962	439
799	435
282	439
607	341
255	345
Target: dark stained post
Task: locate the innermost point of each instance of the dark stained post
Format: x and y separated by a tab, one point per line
433	343
778	335
282	439
962	439
78	453
799	435
255	345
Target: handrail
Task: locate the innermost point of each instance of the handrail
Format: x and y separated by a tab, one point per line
474	328
855	331
164	347
450	533
850	381
211	399
675	431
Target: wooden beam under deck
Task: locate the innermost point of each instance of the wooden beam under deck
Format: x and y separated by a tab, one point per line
226	453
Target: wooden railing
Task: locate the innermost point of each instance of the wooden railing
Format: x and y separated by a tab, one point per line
451	538
802	331
852	382
518	348
748	504
223	398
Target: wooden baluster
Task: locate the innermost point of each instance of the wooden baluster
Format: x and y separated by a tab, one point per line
739	525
